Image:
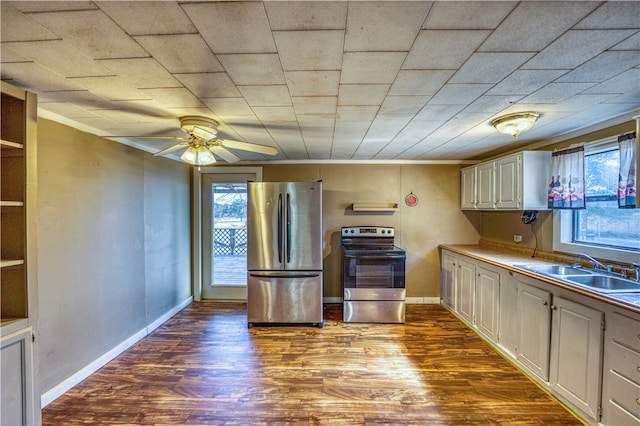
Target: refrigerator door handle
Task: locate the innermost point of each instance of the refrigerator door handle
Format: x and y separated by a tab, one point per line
288	241
280	274
280	228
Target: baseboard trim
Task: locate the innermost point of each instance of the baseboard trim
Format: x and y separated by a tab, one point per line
423	300
58	390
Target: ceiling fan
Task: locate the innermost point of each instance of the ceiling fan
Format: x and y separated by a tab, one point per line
203	142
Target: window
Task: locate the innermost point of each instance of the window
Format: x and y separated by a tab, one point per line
602	229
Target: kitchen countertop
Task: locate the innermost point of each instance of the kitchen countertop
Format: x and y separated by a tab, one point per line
505	258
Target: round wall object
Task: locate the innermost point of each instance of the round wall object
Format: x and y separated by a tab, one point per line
411	200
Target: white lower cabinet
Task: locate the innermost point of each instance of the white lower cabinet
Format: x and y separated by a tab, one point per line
576	354
621	378
448	279
534	323
487	299
554	335
16	381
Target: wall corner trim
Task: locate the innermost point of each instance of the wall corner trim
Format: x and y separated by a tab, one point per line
58	390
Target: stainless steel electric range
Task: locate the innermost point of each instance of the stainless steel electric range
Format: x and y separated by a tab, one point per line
373	278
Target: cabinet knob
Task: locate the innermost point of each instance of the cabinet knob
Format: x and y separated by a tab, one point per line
638	401
554	307
544	303
638	368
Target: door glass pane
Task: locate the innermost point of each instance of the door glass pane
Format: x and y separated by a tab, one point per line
229	239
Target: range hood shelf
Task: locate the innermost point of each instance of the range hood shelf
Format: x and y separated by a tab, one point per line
375	207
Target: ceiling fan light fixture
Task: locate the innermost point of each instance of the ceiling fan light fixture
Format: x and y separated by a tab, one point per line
202	127
514	124
198	155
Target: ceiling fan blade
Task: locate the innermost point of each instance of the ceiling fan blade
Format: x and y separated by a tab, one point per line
202	133
246	146
221	152
177	138
172	148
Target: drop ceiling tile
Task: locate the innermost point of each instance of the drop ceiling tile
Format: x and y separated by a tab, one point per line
17	26
91	31
148	17
310	50
151	109
266	95
443	49
232	27
362	94
253	69
228	107
36	78
66	109
7	55
604	66
489	67
631	43
268	114
523	82
556	92
420	82
384	26
438	113
141	72
313	83
471	15
209	85
403	104
459	94
490	104
581	102
308	15
109	87
313	121
576	47
52	6
60	57
314	105
126	117
531	26
613	14
363	114
371	67
182	53
175	97
82	98
622	83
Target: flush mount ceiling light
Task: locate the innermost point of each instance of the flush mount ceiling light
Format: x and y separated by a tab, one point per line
514	124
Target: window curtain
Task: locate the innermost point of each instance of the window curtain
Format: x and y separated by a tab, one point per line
566	189
627	177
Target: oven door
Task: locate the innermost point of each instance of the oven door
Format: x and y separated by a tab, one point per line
373	270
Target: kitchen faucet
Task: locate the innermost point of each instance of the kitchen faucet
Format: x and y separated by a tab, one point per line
636	269
596	264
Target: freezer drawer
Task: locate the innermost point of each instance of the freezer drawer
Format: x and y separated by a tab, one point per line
284	297
387	311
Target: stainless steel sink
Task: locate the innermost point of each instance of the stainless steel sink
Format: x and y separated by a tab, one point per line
605	283
560	270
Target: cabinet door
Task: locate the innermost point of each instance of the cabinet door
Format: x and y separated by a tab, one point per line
485	186
468	188
508	182
575	354
535	328
448	279
487	302
18	399
465	289
508	336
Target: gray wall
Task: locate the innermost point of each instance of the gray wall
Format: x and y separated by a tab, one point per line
113	245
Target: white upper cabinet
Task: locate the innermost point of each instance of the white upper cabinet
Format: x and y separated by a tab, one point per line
513	182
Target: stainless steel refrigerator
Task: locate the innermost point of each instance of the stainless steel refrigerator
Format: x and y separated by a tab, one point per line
284	259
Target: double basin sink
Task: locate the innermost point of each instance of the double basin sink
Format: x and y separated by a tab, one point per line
596	280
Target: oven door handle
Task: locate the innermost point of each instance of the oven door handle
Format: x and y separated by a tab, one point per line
373	256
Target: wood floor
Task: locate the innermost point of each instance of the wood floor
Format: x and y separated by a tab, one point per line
205	367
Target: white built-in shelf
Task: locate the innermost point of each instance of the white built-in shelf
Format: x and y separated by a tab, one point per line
5	263
10	144
11	204
375	207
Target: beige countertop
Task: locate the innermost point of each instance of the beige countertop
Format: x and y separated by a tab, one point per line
506	258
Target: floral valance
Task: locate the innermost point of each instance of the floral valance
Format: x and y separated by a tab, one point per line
627	178
566	188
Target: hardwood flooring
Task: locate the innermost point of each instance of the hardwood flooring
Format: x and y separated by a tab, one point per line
204	366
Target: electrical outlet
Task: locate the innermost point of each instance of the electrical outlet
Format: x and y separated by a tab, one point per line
517	238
